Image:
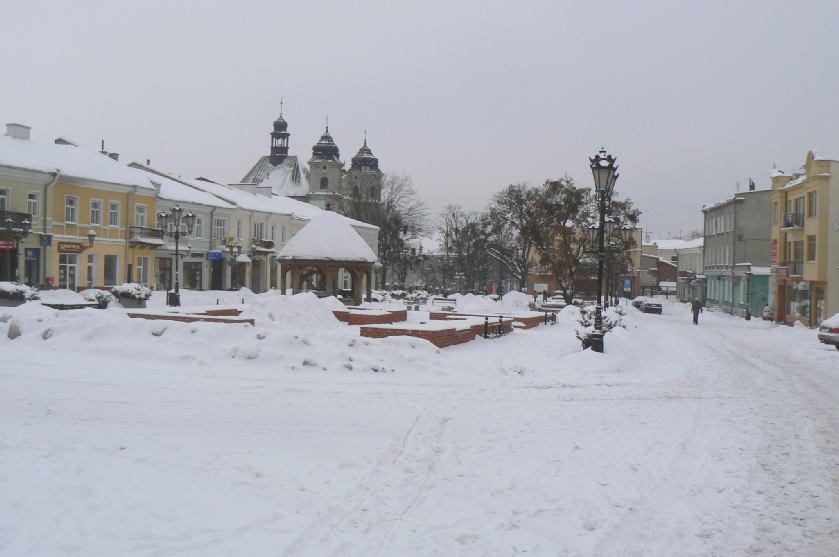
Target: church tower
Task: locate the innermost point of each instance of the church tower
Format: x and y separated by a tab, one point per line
279	140
325	170
364	179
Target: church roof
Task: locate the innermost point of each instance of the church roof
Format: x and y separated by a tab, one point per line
325	149
287	178
328	236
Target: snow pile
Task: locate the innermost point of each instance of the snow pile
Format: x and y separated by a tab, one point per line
328	236
832	322
15	291
61	296
516	301
333	303
299	311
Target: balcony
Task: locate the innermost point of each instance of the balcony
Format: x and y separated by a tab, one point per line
262	246
141	235
792	221
796	268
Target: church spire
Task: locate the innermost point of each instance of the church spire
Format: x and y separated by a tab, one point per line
279	139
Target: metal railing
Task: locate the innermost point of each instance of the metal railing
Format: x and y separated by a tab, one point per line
796	268
14	220
135	232
793	220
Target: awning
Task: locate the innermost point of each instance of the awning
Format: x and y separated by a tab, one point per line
243	258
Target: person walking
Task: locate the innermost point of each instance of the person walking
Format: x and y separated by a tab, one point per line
696	309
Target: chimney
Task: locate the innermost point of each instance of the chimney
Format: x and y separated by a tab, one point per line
751	185
114	156
102	148
17	131
148	162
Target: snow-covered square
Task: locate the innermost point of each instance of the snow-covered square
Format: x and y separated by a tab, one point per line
129	436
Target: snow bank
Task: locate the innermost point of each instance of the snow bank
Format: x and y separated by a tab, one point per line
62	296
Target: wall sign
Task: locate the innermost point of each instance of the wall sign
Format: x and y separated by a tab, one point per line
46	240
70	247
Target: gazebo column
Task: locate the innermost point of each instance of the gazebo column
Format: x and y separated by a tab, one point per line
283	272
329	275
368	275
356	285
295	279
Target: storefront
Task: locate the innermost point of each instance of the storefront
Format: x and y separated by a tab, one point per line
800	300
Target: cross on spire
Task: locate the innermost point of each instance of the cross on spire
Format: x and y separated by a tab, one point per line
365	137
281	106
327	123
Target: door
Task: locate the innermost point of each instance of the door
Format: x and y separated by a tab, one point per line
32	268
68	271
216	274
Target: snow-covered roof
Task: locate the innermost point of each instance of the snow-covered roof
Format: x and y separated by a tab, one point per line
287	178
240	198
328	236
689	244
673	243
69	160
176	191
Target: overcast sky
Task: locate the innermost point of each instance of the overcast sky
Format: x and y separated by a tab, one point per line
465	96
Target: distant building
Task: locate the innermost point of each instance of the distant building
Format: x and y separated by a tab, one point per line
690	284
805	241
736	252
324	182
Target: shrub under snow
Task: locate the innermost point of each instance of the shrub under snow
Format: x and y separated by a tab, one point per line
15	291
131	290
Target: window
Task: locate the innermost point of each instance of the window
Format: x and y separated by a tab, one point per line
198	229
219	228
5	201
259	230
113	213
238	229
273	232
811	248
111	270
33	202
324	183
139	215
811	204
91	270
143	269
284	234
799	205
95	212
71	209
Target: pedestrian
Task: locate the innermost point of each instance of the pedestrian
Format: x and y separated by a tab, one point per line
544	295
696	309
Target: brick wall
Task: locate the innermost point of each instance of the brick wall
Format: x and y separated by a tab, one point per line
185	318
440	339
362	318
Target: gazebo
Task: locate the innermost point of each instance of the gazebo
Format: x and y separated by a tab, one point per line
325	245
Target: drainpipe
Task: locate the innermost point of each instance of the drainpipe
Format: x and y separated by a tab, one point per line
733	254
46	210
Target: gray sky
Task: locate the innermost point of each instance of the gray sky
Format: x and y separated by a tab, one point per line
466	96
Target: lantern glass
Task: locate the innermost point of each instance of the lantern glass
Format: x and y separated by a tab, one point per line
604	171
189	220
610	227
162	220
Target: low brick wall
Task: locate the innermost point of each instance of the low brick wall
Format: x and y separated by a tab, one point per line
189	318
364	318
440	339
226	312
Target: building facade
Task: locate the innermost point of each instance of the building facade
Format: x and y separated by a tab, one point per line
805	241
690	284
736	252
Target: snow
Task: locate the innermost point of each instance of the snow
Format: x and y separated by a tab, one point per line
70	160
831	322
298	437
327	236
61	296
175	191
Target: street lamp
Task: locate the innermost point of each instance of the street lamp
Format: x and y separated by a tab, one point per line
605	172
170	224
17	231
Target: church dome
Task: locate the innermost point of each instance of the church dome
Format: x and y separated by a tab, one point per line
365	159
325	148
280	125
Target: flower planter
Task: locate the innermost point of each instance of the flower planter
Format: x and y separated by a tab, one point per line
131	303
10	303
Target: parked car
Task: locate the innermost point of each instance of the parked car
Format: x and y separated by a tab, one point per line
650	305
636	302
829	331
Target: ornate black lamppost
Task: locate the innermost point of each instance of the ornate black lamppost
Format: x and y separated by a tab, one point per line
176	223
17	230
604	170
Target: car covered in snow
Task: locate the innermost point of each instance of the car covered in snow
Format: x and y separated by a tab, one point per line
647	304
829	331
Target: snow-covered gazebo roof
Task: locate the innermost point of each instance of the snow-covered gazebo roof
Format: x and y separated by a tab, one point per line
327	237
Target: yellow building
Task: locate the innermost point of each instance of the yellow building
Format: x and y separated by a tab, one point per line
92	219
805	241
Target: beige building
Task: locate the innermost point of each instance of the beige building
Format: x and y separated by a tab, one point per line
805	241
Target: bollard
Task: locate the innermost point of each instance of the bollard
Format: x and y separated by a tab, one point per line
546	318
500	326
216	301
486	327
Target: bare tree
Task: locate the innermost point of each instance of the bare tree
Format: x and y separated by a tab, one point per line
512	217
464	237
396	210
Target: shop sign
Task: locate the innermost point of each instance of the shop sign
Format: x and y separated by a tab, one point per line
627	285
31	254
70	247
540	287
7	244
214	256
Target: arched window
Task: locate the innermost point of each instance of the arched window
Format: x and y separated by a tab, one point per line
324	183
